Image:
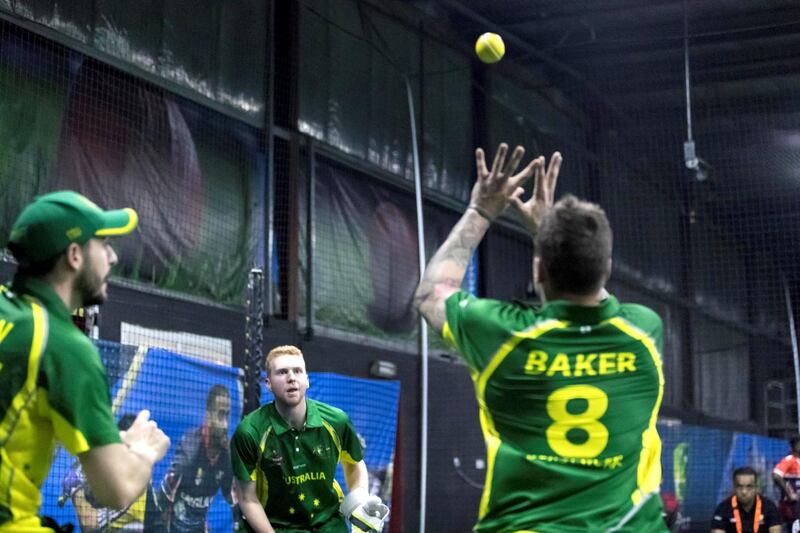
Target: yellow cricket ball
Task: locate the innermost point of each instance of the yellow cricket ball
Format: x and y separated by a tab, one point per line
490	47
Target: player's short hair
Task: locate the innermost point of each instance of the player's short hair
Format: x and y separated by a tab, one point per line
214	392
794	440
42	268
278	351
574	244
39	269
744	471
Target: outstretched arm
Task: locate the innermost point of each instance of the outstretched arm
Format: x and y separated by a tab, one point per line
119	473
491	194
446	269
251	507
356	475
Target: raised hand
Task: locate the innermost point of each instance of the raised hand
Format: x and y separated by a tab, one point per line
536	207
494	188
145	438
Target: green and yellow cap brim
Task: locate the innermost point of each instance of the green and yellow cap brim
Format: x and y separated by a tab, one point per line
118	222
46	226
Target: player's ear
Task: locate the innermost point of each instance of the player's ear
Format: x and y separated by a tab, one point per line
73	256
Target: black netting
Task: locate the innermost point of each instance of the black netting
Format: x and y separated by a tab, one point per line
311	179
80	124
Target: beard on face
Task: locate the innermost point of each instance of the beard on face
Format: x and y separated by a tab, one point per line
221	437
90	287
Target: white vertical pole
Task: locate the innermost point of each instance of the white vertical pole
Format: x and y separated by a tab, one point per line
423	326
795	353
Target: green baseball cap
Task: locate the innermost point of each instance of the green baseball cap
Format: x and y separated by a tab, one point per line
53	221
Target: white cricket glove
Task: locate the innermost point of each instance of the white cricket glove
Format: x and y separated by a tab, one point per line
366	513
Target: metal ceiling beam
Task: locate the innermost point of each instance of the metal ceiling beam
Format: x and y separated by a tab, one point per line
562	18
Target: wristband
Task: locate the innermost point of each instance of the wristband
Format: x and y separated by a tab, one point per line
482	212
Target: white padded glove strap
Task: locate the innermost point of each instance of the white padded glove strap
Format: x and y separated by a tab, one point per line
353	499
366	513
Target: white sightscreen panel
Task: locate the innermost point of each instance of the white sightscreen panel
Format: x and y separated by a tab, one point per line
211	349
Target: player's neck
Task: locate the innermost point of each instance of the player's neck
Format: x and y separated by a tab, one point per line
587	300
67	293
64	287
294	415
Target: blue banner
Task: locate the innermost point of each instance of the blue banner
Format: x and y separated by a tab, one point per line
177	389
698	463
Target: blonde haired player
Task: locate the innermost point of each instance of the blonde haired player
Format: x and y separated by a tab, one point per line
285	454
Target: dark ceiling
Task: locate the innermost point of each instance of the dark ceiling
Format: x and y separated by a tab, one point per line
744	59
633	45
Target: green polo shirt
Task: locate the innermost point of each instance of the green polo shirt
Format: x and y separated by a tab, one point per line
294	469
53	387
568	398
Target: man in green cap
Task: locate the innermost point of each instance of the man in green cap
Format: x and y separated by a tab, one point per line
284	457
53	384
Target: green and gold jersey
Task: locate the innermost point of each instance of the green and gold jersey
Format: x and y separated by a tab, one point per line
294	469
53	387
568	398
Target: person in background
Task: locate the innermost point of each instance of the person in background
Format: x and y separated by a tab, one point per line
200	468
786	475
285	456
746	511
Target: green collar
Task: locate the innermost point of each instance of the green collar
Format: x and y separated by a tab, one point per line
43	292
280	426
581	314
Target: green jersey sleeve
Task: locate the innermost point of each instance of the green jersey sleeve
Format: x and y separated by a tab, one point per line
244	452
77	396
352	452
647	320
477	327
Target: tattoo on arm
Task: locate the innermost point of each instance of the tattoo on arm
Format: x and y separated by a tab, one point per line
445	271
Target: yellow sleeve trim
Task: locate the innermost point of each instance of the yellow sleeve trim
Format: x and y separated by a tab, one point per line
649	470
492	445
71	437
334	436
338	490
262	483
481	379
20	401
37	344
447	334
347	458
